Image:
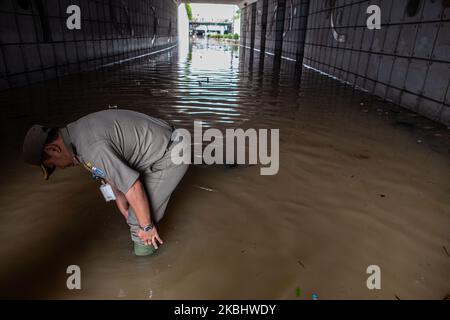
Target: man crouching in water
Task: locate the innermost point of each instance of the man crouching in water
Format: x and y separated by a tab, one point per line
129	152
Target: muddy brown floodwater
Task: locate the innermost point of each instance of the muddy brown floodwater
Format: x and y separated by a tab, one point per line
361	182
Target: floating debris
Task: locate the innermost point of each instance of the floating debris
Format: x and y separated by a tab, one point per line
121	294
301	263
361	156
159	91
446	252
204	188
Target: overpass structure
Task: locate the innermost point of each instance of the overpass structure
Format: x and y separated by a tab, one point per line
201	28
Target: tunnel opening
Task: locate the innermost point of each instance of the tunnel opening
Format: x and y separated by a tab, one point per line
204	20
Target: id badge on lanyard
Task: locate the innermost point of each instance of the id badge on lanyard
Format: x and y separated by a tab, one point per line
107	192
105	188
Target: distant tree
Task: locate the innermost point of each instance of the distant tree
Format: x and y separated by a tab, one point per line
188	11
237	16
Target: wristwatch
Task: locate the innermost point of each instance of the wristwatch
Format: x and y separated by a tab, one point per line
147	228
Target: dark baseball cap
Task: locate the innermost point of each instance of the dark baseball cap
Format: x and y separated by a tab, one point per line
33	146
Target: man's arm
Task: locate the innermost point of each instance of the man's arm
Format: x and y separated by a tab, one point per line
138	200
121	202
126	180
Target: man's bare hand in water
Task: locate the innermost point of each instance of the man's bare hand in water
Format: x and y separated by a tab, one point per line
150	237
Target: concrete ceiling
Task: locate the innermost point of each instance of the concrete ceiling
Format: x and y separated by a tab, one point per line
240	3
214	1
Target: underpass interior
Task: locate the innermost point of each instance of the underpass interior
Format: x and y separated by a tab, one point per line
364	149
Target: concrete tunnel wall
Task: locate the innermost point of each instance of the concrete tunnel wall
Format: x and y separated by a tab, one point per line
407	61
36	45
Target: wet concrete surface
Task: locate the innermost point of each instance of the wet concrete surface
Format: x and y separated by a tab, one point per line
361	182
